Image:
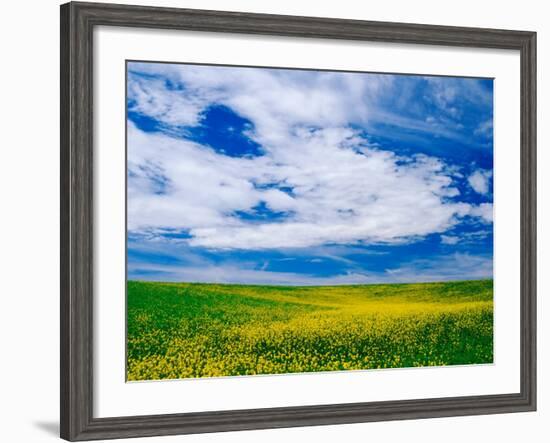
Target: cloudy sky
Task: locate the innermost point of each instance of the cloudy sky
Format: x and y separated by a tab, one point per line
279	176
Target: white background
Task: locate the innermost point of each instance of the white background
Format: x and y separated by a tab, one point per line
29	222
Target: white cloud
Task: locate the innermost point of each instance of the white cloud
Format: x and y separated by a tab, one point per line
480	180
441	268
474	236
449	239
344	189
273	99
237	274
484	211
339	195
485	128
447	92
151	97
452	267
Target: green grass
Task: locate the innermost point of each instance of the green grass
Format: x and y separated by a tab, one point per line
180	330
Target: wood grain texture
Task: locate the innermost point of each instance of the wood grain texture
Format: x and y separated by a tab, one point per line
76	307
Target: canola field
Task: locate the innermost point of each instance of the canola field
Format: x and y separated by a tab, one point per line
182	330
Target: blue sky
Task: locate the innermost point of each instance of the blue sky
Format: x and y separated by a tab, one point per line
279	176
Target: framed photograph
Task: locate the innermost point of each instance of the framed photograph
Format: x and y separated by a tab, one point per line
273	221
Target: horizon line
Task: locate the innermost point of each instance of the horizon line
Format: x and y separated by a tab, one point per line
306	285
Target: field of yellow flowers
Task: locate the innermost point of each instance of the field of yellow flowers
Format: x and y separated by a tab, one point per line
181	330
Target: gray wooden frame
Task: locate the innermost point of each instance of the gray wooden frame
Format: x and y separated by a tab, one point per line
77	24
